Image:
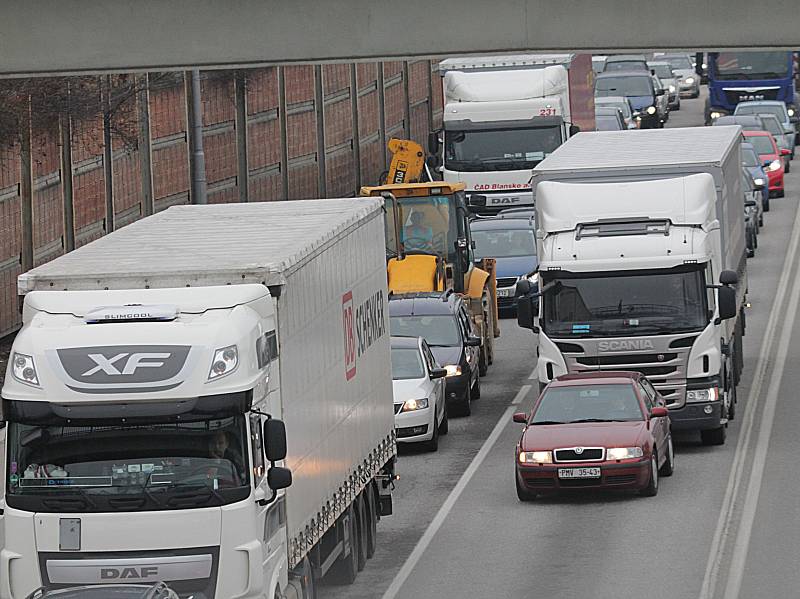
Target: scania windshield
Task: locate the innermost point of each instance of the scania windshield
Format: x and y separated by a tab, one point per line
625	304
732	66
499	149
119	467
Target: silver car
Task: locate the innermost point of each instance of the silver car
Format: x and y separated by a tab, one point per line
669	81
620	102
768	107
783	139
689	80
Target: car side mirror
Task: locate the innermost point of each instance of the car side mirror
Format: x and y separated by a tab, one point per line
274	440
659	412
520	418
660	91
437	373
473	341
279	478
767	162
785	152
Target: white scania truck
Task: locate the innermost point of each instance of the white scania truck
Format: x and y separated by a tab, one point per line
202	398
505	114
642	265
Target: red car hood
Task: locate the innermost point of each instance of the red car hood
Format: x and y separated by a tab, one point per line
590	434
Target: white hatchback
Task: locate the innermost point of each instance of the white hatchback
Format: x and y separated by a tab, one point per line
420	410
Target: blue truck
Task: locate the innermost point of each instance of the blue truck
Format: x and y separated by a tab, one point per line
735	77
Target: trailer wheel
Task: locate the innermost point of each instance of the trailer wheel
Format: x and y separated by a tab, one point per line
361	524
372	519
345	570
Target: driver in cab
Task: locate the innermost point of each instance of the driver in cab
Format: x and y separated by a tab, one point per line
416	234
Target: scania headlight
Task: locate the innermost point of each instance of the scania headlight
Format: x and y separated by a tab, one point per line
535	457
774	166
689	80
701	395
623	453
453	369
225	362
651	110
24	370
412	405
759	181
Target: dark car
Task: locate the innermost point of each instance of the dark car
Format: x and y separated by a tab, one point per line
108	591
442	320
625	62
607	118
638	87
752	162
510	239
594	430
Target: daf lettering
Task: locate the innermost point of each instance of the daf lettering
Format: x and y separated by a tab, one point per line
625	344
143	573
135	361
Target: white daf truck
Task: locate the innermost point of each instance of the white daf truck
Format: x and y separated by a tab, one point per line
202	398
642	265
505	114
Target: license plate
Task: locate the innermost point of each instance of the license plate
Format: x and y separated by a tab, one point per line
505	292
579	473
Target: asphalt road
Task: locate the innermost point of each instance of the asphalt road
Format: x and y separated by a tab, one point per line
725	525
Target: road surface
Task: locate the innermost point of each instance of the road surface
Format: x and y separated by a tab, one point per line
725	525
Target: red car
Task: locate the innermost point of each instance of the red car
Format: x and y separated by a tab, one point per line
594	430
772	158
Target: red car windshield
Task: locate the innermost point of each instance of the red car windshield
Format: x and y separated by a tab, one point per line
763	144
588	403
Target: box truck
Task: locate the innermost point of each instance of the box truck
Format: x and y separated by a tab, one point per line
202	398
505	114
642	265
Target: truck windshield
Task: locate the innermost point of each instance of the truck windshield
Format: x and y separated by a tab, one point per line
499	149
127	467
731	66
626	304
628	86
429	224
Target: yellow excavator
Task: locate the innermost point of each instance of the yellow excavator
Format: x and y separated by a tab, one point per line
428	242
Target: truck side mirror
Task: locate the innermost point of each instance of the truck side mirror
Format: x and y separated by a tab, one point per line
726	302
433	142
279	478
275	440
728	277
527	308
433	161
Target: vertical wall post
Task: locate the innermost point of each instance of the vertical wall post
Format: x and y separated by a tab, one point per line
26	192
406	102
382	116
197	161
108	155
356	130
319	107
242	168
145	145
282	120
66	182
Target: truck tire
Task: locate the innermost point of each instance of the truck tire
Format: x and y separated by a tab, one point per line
370	493
345	570
714	436
361	522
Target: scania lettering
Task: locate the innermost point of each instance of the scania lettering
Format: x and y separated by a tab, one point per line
642	266
145	437
505	114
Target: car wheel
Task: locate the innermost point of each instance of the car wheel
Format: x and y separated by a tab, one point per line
765	204
714	436
522	493
464	406
651	490
669	464
787	168
761	221
444	427
476	389
433	444
483	362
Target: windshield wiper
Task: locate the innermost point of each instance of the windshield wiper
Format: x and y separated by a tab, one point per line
545	422
591	420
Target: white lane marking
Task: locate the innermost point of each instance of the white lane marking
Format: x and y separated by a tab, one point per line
419	549
716	553
523	391
753	492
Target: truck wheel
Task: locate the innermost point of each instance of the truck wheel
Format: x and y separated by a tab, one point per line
714	436
361	512
345	570
372	519
444	427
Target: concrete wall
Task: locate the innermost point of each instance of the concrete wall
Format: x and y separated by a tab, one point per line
39	36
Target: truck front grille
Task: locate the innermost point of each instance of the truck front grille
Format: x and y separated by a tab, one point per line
734	96
503	282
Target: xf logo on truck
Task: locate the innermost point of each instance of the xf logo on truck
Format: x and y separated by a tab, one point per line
625	344
362	324
121	369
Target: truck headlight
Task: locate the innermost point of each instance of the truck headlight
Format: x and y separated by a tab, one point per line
225	362
412	405
672	89
790	111
651	110
24	370
701	395
759	181
715	115
774	166
623	453
689	80
453	369
535	457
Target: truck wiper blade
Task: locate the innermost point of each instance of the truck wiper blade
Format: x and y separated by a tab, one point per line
545	422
